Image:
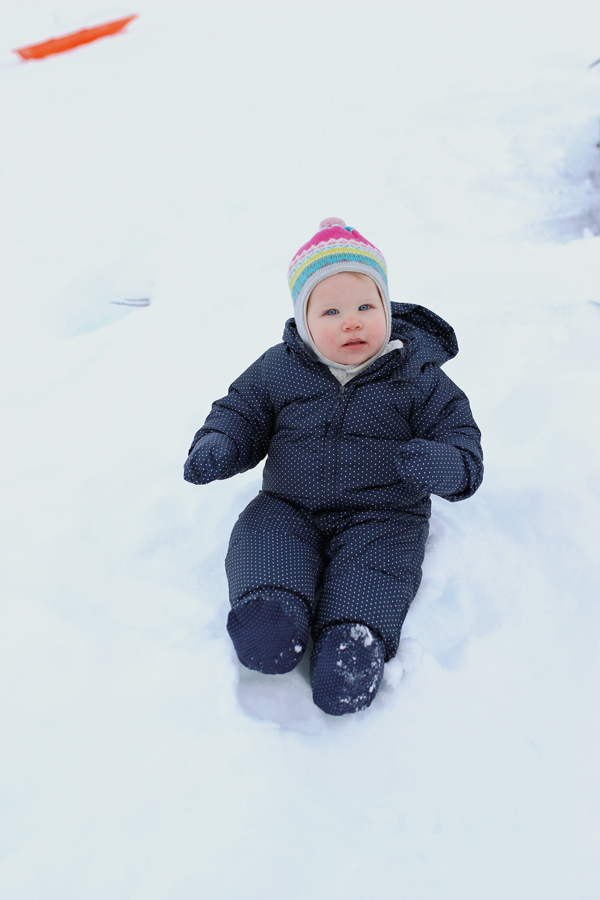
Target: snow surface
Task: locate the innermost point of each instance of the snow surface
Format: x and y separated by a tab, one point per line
185	161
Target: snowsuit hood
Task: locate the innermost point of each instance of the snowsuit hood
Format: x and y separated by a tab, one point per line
427	339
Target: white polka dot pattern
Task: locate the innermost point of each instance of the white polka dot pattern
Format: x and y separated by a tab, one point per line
215	459
346	667
343	514
363	566
269	633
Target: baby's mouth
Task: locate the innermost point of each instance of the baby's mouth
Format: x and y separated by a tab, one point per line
353	342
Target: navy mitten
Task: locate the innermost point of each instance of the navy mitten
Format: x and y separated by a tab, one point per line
214	456
434	467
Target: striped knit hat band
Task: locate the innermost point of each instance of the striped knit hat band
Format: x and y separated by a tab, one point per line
335	248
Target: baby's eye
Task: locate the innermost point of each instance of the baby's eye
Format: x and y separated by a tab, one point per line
331	312
365	306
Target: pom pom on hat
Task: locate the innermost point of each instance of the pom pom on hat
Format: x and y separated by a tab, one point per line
328	223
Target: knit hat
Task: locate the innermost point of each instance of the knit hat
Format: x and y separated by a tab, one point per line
336	247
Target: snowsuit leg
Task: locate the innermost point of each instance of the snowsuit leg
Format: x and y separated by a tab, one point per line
373	571
273	566
366	564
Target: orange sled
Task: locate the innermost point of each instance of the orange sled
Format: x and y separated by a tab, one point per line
75	39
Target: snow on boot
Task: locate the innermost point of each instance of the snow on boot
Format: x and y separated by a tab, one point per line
269	634
346	669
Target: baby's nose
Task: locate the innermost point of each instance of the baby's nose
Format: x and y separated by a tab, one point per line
351	323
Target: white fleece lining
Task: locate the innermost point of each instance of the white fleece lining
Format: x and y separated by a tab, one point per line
346	374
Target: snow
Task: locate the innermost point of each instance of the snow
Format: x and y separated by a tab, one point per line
361	632
185	161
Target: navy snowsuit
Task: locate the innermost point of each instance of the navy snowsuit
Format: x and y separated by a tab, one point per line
340	524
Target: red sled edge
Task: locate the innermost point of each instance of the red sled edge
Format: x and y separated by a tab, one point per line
75	39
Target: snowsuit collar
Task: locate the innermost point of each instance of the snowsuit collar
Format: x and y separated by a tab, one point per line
426	337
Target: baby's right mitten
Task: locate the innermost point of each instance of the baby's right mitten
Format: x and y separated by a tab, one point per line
213	456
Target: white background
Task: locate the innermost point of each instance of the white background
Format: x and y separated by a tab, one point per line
185	161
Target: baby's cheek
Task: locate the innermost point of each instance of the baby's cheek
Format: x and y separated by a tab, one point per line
323	339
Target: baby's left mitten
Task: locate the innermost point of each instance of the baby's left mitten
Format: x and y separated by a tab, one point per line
434	467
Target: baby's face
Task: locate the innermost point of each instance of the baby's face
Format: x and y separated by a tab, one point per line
346	318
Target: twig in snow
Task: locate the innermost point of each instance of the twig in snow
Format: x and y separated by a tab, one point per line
144	301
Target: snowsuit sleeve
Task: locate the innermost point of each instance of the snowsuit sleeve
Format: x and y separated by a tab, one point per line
445	456
237	431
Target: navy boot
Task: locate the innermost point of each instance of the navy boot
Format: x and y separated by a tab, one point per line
346	667
270	633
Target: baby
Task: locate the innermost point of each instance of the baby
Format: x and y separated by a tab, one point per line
359	425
